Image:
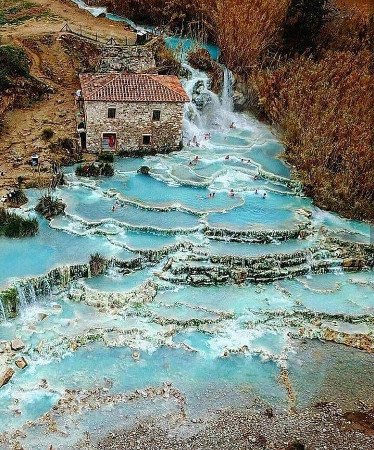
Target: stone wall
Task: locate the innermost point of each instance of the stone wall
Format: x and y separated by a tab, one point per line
133	120
129	58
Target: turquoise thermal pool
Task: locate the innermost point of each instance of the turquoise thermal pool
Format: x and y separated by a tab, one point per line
216	295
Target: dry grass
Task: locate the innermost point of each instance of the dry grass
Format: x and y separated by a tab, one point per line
323	109
249	31
365	6
347	30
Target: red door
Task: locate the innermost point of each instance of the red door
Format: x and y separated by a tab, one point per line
109	143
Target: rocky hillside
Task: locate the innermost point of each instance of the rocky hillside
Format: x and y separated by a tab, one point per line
38	76
18	88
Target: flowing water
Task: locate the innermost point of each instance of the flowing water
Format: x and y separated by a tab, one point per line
173	305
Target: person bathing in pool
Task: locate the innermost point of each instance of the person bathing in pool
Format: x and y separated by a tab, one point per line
194	161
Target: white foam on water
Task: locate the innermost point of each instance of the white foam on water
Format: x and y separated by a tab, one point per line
95	11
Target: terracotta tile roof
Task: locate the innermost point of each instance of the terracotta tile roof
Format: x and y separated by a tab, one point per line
122	87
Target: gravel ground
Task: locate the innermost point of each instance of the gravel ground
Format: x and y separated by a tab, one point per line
323	427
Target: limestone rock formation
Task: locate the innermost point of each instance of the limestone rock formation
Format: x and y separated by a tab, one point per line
6	376
21	363
17	344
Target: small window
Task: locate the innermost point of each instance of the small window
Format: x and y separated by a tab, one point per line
111	113
146	139
156	116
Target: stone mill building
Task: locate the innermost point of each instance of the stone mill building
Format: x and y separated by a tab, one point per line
128	111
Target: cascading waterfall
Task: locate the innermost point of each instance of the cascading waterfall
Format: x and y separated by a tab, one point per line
336	268
2	311
227	91
29	291
112	270
64	273
45	288
30	294
26	294
21	297
309	262
207	111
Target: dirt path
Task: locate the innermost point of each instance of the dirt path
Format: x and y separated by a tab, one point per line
61	12
56	64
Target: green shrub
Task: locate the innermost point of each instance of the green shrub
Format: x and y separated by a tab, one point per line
47	134
14	60
88	170
13	63
18	197
66	143
9	299
107	170
93	170
15	226
62	144
106	157
15	12
144	170
50	206
296	445
20	180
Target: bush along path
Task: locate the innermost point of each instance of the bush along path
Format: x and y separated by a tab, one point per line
50	206
95	170
14	226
